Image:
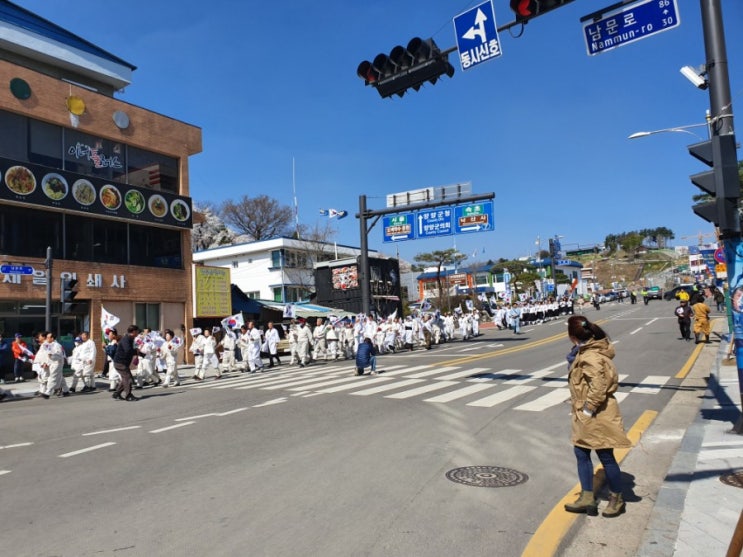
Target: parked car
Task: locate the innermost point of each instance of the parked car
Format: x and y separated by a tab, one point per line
654	293
673	293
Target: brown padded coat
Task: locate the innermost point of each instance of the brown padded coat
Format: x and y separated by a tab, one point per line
593	381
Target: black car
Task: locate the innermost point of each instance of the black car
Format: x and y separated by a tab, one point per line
673	293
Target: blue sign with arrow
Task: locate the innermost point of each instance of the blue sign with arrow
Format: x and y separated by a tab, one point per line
398	228
475	217
434	222
477	35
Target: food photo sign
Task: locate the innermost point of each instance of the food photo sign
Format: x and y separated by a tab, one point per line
56	189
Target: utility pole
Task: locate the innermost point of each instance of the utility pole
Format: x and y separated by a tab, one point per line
48	311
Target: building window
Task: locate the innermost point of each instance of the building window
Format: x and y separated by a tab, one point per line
147	316
154	247
28	233
152	170
276	259
44	144
93	156
277	297
253	295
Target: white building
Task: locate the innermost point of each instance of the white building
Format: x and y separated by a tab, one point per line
280	269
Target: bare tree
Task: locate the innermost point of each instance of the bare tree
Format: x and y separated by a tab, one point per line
261	218
314	245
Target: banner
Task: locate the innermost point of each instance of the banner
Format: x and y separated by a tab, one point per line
108	320
289	311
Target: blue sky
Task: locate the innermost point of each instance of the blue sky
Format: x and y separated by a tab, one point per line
544	126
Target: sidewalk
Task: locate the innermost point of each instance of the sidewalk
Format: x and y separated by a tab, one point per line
677	506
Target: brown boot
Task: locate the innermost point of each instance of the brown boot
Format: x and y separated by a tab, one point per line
615	506
586	503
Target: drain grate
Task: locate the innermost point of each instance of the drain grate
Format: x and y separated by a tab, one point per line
487	476
735	479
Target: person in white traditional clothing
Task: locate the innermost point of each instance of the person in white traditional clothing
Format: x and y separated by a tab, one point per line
291	333
319	336
197	349
209	356
147	354
228	344
254	348
168	351
272	343
53	357
346	340
76	363
332	339
304	343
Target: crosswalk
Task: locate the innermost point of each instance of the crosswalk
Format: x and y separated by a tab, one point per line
476	387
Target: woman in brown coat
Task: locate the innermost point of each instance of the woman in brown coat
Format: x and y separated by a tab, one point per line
596	419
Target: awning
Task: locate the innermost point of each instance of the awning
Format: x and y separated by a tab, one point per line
306	310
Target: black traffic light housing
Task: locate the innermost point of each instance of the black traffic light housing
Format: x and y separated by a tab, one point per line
721	182
529	9
405	68
67	294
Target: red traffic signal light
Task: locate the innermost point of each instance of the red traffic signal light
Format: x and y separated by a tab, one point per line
529	9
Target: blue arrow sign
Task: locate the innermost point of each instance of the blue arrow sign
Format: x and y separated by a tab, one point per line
434	222
474	217
629	24
477	35
16	270
398	228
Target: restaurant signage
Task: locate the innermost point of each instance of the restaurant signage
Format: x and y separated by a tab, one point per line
56	189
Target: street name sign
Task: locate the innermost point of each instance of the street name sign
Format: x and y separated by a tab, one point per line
474	217
16	270
628	24
477	35
434	222
398	228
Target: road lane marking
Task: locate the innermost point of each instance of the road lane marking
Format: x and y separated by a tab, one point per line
461	374
432	372
168	428
553	398
113	430
355	385
460	393
81	451
636	331
16	445
2	472
502	396
651	385
422	389
194	417
271	402
387	387
235	411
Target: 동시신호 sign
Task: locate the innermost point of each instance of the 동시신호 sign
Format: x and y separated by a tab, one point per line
477	35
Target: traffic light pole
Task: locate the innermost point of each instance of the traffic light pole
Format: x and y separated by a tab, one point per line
364	214
48	310
721	110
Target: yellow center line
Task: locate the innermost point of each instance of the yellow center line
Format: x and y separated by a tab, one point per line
557	524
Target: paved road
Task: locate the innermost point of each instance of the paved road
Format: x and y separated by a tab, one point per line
319	461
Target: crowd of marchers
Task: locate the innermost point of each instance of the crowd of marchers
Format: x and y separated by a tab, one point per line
135	359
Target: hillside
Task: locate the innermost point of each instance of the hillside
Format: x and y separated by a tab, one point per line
655	267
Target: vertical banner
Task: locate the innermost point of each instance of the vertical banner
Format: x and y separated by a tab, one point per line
734	262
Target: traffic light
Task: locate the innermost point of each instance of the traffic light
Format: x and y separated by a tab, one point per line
529	9
405	67
721	182
67	295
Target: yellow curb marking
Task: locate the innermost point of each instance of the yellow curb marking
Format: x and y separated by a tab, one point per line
547	538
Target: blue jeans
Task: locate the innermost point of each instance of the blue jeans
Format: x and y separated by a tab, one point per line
585	468
373	362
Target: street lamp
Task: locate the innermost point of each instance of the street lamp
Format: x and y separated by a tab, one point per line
682	129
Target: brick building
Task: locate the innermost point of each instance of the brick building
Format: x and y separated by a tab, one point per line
102	183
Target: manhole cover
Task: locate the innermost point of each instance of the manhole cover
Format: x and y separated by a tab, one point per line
735	479
486	476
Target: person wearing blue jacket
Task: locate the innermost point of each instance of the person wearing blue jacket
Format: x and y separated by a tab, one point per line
366	356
